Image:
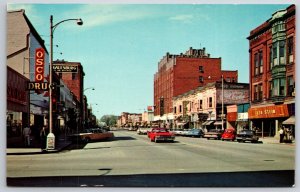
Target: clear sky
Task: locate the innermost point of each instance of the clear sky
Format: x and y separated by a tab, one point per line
120	45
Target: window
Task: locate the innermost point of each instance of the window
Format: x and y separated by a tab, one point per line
175	110
210	102
200	68
279	87
227	79
270	89
73	76
290	49
180	108
260	92
274	52
270	57
290	86
201	104
282	87
261	62
200	79
255	92
281	52
256	71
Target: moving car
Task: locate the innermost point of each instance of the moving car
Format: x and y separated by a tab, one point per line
194	133
92	134
213	134
247	135
160	134
229	134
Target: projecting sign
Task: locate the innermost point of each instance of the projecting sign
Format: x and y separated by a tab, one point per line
39	64
62	68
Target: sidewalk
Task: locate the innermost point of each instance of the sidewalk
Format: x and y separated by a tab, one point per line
60	144
273	140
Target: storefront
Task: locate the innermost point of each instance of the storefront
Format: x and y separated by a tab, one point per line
17	114
267	120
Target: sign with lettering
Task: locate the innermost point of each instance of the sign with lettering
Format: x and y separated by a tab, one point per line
268	112
39	64
39	86
62	68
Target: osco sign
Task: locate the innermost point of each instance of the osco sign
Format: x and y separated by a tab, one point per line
39	64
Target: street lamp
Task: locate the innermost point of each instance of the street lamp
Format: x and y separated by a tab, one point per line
51	137
222	116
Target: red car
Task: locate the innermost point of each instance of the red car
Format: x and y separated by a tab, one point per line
160	134
229	134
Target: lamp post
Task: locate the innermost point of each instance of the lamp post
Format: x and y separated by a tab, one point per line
222	116
51	137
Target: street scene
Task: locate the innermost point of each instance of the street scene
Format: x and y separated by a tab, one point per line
163	95
182	163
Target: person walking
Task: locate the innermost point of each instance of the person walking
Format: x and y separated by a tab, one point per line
43	135
281	134
26	134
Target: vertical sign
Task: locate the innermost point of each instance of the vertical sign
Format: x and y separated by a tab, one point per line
39	64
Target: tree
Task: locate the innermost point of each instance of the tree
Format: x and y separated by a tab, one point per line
110	120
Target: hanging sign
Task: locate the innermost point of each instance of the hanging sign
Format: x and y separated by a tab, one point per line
39	64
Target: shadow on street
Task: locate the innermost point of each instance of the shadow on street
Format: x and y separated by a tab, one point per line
284	178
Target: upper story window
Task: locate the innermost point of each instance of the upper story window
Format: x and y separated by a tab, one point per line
290	84
270	58
200	79
210	104
290	49
180	108
200	104
201	69
258	92
258	63
282	52
274	53
175	110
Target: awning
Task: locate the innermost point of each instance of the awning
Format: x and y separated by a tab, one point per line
289	121
219	122
207	122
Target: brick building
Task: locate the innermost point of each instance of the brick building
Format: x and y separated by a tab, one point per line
178	74
272	72
74	81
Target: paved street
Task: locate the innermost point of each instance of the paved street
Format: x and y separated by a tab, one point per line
186	162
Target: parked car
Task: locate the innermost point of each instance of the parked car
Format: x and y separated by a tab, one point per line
229	134
177	132
143	130
160	134
213	134
194	133
247	135
92	134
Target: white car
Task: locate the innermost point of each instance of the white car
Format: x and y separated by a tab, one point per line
143	130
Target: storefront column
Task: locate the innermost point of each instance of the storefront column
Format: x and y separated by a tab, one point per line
276	128
262	129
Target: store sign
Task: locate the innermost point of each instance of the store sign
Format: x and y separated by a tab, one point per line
268	112
39	86
61	68
39	64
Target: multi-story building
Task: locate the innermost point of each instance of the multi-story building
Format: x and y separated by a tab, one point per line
24	107
204	106
178	74
272	72
72	74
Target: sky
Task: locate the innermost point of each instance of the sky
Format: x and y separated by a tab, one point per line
120	45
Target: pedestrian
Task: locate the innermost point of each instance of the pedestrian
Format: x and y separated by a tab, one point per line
281	134
26	134
43	135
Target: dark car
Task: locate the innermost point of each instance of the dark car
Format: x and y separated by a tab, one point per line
194	133
213	134
229	134
247	135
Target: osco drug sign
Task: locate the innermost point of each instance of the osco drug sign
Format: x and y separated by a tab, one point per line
39	64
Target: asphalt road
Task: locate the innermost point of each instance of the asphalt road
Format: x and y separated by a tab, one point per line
132	160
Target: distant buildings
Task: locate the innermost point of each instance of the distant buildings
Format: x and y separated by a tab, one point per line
272	72
178	74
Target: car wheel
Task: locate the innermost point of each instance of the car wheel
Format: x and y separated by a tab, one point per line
239	140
